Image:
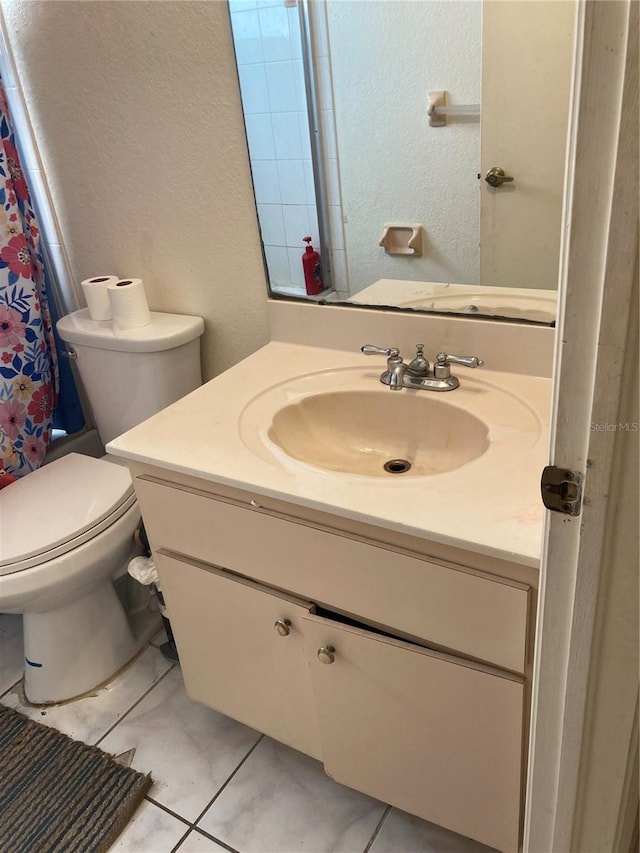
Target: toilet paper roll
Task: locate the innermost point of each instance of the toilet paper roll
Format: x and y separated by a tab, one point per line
97	297
129	306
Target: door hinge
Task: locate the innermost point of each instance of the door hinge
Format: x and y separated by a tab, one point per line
561	490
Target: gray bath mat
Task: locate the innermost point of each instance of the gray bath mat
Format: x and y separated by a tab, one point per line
58	795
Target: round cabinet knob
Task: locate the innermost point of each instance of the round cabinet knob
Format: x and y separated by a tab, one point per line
326	654
283	627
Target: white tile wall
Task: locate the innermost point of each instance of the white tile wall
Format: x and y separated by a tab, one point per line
253	83
242	5
309	181
278	263
271	224
321	48
305	137
296	274
296	219
282	85
247	36
286	136
291	179
260	136
269	54
275	33
266	182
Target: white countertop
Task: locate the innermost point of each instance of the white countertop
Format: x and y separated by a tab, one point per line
490	505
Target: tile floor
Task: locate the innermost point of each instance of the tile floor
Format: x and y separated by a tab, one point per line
218	785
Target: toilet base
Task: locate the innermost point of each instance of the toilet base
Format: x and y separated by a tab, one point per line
71	649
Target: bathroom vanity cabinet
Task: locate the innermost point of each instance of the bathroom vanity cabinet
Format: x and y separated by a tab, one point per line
403	665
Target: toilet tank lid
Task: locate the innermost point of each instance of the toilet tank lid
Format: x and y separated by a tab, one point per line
165	331
57	503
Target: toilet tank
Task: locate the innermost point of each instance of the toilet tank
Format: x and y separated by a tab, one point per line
130	375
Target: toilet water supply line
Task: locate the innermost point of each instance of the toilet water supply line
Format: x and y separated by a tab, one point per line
143	570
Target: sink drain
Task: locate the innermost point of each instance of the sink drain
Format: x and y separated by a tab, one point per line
397	466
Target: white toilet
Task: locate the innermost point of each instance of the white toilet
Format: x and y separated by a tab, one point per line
67	529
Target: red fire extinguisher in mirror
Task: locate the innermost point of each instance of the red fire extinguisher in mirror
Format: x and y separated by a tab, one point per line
312	269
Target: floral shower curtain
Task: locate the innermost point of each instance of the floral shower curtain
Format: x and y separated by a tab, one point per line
28	365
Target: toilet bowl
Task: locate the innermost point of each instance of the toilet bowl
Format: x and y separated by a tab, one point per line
67	529
66	532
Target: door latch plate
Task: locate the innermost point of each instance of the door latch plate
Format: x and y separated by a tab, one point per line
561	490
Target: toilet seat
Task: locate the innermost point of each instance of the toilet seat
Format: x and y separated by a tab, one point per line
58	507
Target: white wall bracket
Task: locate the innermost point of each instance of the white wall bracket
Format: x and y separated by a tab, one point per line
438	110
401	239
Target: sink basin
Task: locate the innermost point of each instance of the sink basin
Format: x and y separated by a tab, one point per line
510	302
542	309
361	432
345	422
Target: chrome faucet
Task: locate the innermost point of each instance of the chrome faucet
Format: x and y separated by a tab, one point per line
396	376
417	374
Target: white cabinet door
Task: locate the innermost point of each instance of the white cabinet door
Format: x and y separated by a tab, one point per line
428	733
232	655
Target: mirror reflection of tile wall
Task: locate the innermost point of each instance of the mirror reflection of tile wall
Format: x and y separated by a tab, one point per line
269	55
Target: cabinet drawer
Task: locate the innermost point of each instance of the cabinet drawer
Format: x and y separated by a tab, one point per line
470	613
232	657
420	730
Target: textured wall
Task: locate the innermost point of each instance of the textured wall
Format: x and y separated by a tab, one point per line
136	110
394	167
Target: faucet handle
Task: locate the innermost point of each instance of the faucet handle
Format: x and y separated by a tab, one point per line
441	367
443	359
371	349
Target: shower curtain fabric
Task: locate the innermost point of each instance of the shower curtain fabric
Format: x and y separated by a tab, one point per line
28	365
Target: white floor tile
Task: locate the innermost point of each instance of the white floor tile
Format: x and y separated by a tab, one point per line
11	653
195	842
151	830
404	832
282	800
88	719
190	750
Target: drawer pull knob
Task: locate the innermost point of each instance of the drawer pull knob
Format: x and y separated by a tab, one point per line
283	627
326	654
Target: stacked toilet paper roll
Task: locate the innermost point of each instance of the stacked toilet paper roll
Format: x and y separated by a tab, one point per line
129	307
97	297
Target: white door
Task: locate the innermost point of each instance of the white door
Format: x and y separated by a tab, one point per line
584	712
527	60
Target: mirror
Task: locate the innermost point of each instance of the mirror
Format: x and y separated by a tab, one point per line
420	144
